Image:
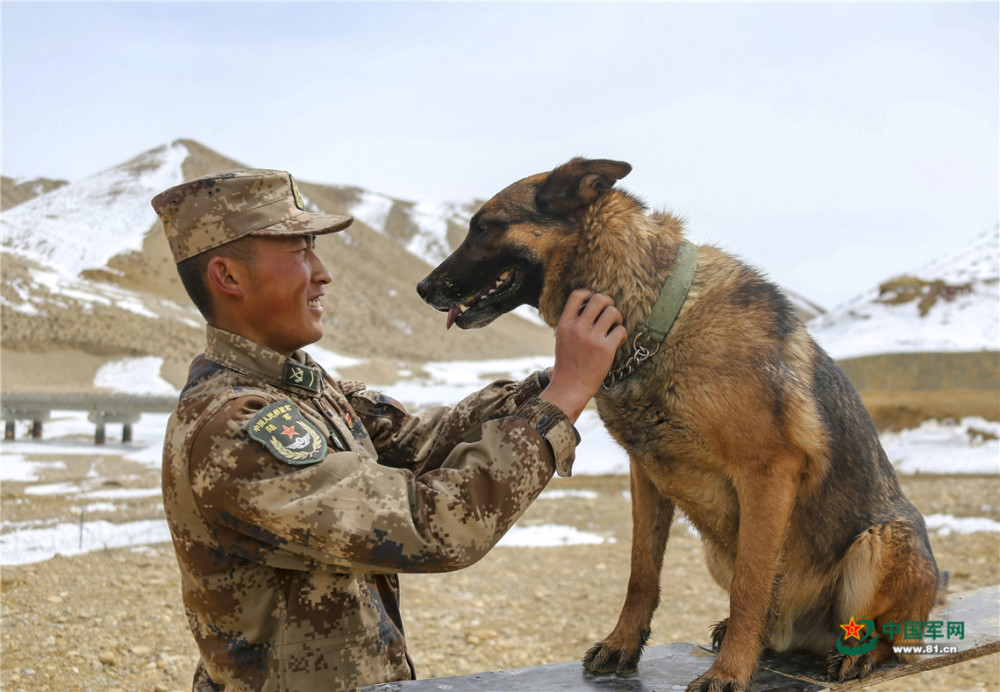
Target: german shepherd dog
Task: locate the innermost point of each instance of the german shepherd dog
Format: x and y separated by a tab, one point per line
737	418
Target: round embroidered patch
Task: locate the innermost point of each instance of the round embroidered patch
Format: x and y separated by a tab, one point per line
287	435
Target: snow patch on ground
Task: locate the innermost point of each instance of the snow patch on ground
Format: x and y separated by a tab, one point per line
549	536
134	376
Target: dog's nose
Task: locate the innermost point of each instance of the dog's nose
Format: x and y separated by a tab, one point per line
423	288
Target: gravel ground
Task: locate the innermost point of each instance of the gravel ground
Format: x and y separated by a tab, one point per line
113	620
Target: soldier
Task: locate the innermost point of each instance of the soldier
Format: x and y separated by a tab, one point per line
294	499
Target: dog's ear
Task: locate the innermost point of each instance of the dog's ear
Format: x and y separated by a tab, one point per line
577	183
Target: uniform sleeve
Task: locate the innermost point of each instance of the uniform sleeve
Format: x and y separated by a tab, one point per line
421	442
351	514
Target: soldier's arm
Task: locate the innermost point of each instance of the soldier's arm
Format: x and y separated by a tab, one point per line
354	515
421	442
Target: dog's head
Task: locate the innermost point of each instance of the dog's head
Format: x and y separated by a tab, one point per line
514	239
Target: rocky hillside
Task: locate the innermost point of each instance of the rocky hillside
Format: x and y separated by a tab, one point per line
926	344
948	305
14	192
88	278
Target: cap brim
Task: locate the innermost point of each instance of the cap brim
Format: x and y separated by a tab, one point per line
308	223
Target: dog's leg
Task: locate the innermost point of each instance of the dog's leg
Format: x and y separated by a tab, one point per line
652	515
890	578
766	491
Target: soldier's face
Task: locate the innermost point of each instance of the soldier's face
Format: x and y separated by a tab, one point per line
284	291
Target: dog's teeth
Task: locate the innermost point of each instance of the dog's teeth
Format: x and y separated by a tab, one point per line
500	280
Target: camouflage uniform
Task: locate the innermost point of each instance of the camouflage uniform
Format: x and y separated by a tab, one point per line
293	499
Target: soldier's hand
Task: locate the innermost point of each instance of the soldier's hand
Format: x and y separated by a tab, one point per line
587	336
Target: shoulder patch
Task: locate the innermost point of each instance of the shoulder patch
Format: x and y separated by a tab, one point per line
287	435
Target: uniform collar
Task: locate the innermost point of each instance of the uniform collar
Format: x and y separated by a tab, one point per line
299	372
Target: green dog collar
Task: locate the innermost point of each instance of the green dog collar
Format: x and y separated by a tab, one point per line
672	295
665	310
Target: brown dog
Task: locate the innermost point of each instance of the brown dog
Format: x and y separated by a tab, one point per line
737	418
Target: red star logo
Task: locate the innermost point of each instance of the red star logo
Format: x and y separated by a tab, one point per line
290	431
852	630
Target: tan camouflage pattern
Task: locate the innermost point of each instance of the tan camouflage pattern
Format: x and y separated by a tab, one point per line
288	572
203	214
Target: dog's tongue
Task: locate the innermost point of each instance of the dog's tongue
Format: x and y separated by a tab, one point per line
452	316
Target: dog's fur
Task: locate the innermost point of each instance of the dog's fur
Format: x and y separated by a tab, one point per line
740	420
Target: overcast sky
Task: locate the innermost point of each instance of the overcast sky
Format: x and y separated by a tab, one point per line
831	144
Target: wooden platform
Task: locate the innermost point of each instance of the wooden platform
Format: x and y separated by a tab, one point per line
673	666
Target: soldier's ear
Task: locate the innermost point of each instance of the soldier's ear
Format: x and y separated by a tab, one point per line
227	276
577	183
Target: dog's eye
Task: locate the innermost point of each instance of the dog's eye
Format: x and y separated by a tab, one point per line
487	226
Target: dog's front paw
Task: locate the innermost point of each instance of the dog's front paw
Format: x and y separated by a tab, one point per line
602	657
841	667
716	682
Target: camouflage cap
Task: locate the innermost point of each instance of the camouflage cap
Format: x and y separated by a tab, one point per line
211	211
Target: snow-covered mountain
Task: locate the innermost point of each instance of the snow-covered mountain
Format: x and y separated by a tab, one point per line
83	225
86	270
426	229
951	304
14	191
